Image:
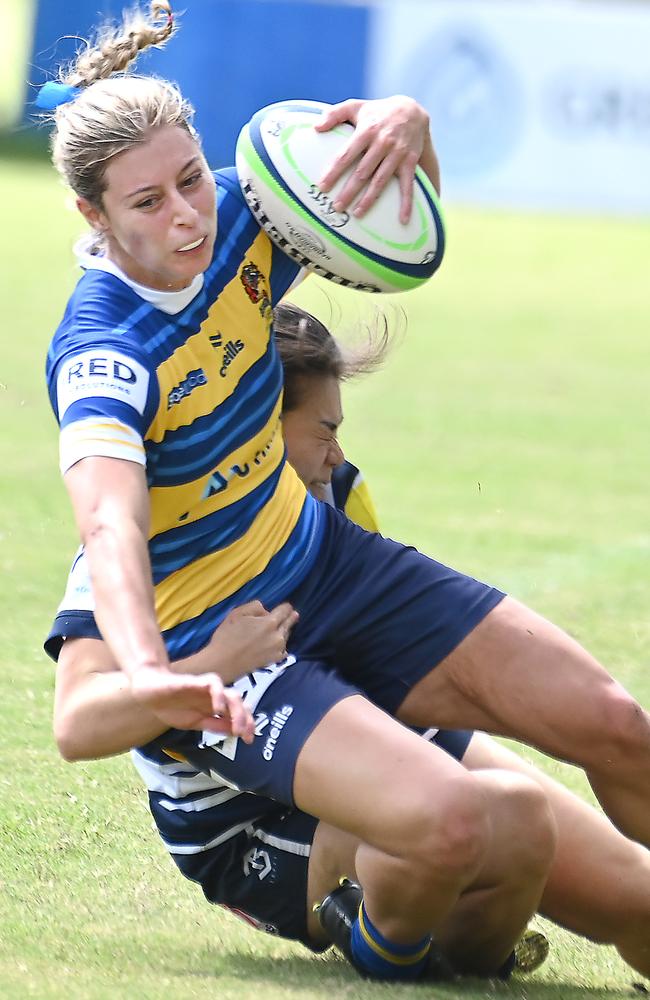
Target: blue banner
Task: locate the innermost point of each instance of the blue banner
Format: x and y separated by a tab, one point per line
230	57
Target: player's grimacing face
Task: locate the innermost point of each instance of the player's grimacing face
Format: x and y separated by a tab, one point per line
310	431
159	210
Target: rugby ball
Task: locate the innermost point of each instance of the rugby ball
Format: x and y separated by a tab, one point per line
280	158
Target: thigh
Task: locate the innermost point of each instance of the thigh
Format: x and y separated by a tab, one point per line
363	772
518	675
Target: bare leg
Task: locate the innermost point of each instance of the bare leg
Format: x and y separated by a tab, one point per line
418	836
518	675
493	912
599	882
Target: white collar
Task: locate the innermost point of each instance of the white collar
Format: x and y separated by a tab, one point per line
168	302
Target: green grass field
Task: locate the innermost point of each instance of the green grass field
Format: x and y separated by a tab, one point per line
507	435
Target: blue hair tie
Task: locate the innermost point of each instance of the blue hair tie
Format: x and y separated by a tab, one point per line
52	94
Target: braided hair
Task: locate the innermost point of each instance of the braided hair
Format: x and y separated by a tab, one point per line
114	109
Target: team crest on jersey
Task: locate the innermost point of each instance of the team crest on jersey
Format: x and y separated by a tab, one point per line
255	286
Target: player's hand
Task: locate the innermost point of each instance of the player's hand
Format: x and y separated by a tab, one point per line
389	139
186	701
250	637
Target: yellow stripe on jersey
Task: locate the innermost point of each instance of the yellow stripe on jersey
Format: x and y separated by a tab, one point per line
188	501
232	320
359	506
102	437
186	594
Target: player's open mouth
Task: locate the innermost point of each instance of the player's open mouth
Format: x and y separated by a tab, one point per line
192	246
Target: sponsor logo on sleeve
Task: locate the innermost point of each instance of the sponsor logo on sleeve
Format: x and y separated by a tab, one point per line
108	374
192	381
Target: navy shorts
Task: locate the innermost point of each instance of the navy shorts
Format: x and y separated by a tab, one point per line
375	617
384	614
262	875
288	701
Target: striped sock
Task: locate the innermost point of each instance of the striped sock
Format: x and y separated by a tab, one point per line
383	959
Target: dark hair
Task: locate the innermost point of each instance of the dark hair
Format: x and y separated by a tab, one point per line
307	349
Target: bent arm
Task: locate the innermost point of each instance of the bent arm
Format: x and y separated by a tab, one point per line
96	715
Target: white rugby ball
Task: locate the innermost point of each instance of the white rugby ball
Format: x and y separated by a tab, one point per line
280	158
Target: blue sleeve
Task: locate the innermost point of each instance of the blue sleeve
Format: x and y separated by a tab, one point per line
284	270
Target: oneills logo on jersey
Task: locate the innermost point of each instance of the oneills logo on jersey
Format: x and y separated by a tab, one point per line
251	687
230	352
102	373
278	722
261	722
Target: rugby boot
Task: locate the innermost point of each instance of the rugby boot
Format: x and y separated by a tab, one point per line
528	954
339	910
531	951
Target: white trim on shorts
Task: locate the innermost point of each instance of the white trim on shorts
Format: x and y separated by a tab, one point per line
199	848
288	846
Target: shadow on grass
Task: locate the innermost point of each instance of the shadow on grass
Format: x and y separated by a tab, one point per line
327	975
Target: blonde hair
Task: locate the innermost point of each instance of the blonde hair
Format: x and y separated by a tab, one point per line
111	113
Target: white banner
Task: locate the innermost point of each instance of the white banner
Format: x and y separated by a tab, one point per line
543	104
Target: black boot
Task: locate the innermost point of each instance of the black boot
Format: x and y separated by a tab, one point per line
338	912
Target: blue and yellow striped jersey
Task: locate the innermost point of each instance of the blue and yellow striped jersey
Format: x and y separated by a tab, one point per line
195	396
348	492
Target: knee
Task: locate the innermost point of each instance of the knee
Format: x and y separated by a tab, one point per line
448	830
533	829
625	729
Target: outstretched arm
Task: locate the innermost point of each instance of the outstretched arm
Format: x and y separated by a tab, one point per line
391	138
96	715
111	505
